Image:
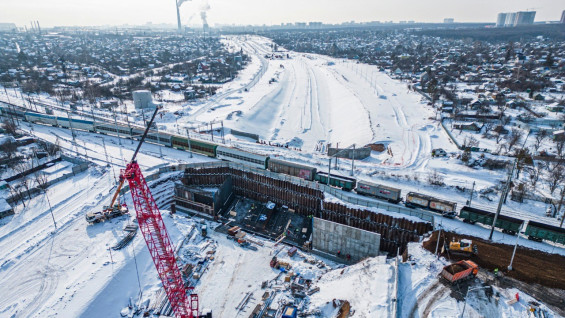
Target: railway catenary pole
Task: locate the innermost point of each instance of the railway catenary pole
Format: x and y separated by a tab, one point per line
188	141
471	196
502	198
353	161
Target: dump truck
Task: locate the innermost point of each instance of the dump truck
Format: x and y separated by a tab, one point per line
459	271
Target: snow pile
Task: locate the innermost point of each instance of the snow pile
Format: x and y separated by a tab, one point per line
364	285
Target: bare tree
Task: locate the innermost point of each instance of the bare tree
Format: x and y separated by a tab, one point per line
10	127
9	148
488	126
555	177
539	139
41	180
24	181
435	178
559	146
534	173
514	137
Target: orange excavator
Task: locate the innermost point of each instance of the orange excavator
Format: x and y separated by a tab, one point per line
113	210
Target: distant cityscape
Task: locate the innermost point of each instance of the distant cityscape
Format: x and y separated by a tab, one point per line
504	19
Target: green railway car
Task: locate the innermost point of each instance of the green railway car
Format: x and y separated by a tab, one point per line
345	183
538	232
505	223
202	147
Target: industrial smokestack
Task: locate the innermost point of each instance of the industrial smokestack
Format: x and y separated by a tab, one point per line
204	20
178	4
178	15
203	8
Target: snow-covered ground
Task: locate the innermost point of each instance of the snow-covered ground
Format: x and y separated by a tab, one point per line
314	99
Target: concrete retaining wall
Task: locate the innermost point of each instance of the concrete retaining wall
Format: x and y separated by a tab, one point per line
330	237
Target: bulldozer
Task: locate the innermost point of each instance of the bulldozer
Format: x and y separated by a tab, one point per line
462	247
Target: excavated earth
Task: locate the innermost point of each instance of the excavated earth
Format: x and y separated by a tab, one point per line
539	274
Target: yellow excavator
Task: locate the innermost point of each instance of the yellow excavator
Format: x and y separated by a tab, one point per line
462	247
113	210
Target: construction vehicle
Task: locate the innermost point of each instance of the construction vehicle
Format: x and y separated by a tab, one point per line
462	247
155	234
108	212
459	271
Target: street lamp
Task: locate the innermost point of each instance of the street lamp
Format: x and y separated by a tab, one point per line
467	293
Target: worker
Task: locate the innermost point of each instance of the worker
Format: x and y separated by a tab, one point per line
348	257
338	253
496	272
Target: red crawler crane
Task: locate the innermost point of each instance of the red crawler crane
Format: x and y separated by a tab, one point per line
157	238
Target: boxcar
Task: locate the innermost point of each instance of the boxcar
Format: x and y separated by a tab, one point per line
506	223
345	183
446	208
290	168
379	191
240	156
538	231
41	119
198	146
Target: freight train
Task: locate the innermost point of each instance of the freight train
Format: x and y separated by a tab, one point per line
210	149
213	150
535	231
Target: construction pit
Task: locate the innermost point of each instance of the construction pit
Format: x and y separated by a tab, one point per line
535	272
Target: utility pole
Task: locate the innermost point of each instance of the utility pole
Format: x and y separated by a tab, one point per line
471	196
211	131
516	245
50	208
72	131
438	239
329	170
502	199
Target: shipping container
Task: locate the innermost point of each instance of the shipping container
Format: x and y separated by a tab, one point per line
290	312
292	251
293	169
379	191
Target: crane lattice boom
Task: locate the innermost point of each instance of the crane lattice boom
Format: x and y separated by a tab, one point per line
159	244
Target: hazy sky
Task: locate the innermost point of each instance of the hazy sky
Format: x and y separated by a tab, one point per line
117	12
